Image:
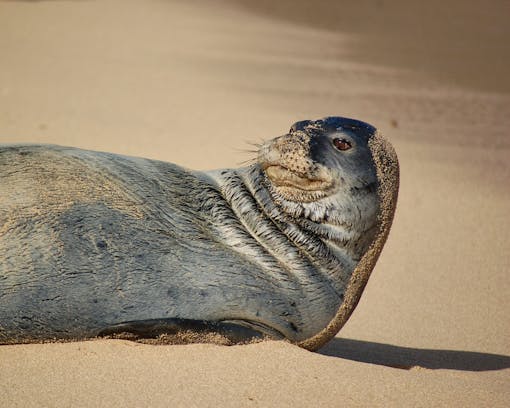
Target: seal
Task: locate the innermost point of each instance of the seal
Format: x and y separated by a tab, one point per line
99	244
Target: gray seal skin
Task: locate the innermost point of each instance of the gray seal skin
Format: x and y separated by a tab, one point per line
97	243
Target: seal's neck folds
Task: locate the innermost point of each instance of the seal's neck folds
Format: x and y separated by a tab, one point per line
326	237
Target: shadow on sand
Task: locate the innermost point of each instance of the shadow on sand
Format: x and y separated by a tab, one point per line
407	358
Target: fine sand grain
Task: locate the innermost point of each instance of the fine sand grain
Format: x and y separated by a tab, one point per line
192	83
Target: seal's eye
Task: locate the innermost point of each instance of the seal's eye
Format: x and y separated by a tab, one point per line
342	144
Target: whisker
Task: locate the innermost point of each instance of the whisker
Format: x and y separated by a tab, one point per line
246	151
255	144
247	162
253	152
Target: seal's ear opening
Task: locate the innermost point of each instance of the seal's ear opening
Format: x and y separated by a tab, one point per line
387	168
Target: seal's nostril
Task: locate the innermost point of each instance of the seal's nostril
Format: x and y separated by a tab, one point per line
299	125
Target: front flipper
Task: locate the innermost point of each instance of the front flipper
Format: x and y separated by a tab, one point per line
179	331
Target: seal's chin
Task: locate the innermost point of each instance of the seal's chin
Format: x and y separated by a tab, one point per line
298	187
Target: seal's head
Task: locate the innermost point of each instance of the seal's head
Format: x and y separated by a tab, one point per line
320	158
324	171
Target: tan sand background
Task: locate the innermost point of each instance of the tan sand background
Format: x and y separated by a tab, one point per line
192	82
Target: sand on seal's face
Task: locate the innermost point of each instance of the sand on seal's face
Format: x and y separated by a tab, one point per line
189	83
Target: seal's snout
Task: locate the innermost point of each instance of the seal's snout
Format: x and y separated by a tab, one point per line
291	151
287	163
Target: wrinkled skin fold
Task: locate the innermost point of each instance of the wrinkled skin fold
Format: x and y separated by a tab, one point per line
96	243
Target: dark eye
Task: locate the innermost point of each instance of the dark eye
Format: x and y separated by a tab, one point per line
342	144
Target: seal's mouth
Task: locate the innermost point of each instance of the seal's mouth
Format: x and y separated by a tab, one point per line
281	176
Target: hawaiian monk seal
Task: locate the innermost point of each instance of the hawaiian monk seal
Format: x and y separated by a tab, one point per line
96	243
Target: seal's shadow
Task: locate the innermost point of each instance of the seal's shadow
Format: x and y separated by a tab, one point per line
406	358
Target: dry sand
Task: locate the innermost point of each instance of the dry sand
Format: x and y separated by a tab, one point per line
192	82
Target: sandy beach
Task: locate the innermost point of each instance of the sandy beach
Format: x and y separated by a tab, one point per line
193	83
